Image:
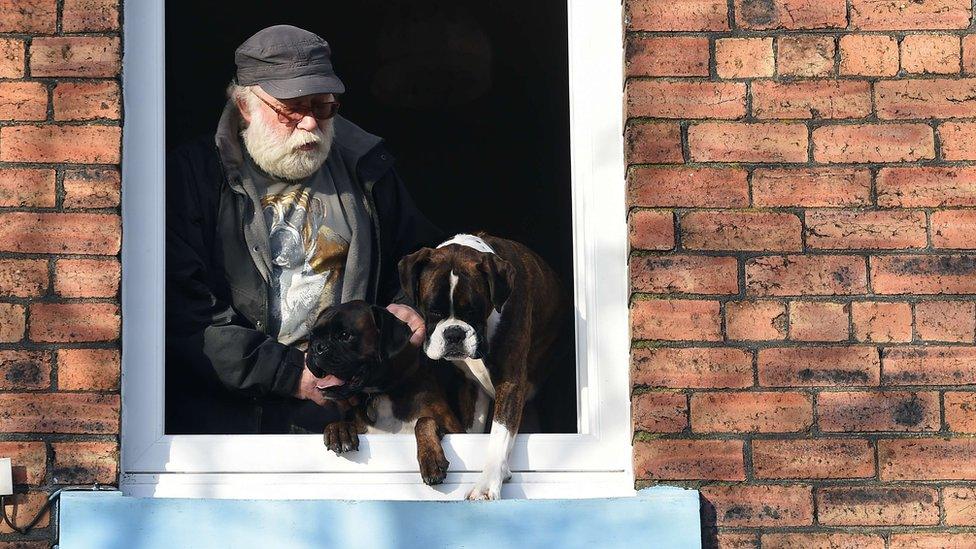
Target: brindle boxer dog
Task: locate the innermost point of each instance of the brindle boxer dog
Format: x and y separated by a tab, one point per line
494	308
362	349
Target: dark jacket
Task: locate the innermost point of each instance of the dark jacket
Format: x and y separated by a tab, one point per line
223	372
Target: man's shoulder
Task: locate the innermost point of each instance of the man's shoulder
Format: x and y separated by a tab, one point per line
352	140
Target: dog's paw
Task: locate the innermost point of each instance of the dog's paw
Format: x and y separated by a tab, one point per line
341	436
489	487
433	466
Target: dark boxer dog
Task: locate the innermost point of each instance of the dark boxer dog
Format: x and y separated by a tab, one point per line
494	308
363	350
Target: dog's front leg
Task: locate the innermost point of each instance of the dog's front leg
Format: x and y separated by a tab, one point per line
509	400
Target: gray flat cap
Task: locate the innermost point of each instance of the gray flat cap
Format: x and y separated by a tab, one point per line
287	62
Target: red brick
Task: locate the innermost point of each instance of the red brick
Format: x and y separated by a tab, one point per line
806	275
926	98
25	370
946	320
737	540
804	458
969	54
928	274
898	15
654	143
86	101
755	320
861	411
938	540
931	53
868	55
85	462
742	231
676	319
28	16
819	366
747	142
23	101
744	57
811	99
84	56
89	369
87	277
12	322
958	140
12	57
667	56
27	188
849	229
819	321
680	15
927	459
790	14
22	508
90	15
688	187
960	411
23	277
751	412
80	144
929	365
811	187
927	186
873	143
691	368
651	230
59	413
72	322
878	506
808	56
79	233
882	322
689	459
29	460
684	274
92	188
960	506
660	412
686	99
821	540
767	506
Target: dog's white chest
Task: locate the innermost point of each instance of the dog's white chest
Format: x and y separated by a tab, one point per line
476	371
379	410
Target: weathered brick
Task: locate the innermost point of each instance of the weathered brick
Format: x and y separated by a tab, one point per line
861	411
89	369
769	506
929	366
25	370
667	56
688	187
23	101
958	140
806	458
927	186
28	16
92	188
811	99
744	57
811	187
23	507
747	142
878	506
90	15
969	54
85	462
680	15
790	14
13	322
946	320
755	320
751	412
23	277
80	144
87	277
960	506
685	274
73	322
805	55
691	368
849	229
882	322
676	319
12	57
686	99
860	143
819	366
86	101
737	540
931	53
897	15
59	413
743	231
654	143
868	55
938	540
960	411
806	275
689	459
83	56
660	412
79	233
927	459
926	98
821	540
30	188
651	230
29	460
928	274
819	321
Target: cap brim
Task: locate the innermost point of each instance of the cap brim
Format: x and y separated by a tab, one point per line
302	85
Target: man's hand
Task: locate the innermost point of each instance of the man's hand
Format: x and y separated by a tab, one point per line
307	390
413	320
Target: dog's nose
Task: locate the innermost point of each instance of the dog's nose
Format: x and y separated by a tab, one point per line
453	334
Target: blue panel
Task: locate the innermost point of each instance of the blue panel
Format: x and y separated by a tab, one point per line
661	517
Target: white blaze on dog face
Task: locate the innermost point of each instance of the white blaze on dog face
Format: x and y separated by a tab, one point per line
452	337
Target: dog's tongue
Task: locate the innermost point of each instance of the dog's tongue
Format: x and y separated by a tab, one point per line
329	381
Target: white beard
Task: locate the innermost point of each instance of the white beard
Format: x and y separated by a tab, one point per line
281	157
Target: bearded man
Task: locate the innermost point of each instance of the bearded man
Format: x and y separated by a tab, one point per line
286	210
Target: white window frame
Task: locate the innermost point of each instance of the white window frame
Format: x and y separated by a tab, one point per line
595	462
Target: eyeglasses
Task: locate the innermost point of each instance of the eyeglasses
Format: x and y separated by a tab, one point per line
321	110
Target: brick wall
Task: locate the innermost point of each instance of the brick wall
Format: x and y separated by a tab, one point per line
801	187
60	234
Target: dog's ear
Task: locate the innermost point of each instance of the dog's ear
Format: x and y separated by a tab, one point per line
394	333
501	277
410	268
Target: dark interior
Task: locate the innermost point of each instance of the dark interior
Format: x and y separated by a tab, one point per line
472	98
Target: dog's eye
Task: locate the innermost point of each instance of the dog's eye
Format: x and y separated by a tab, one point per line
345	336
318	347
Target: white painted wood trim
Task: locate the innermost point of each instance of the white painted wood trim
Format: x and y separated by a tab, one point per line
151	458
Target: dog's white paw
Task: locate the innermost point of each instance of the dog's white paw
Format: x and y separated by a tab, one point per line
489	486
